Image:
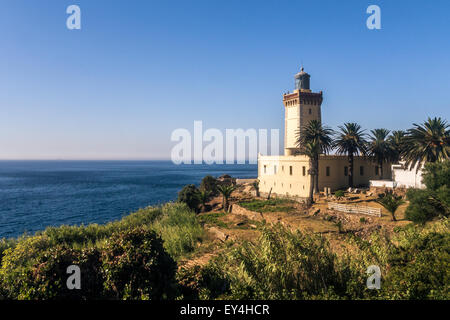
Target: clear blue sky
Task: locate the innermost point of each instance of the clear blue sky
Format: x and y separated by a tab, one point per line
139	69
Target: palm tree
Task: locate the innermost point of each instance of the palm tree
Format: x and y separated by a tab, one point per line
351	141
225	191
379	148
391	202
429	142
318	134
396	140
310	149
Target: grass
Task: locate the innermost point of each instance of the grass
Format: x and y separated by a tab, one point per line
177	225
272	205
213	218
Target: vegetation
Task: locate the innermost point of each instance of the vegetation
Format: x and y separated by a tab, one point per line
390	202
429	142
380	149
396	141
133	258
209	184
272	205
434	201
226	191
189	196
314	140
339	194
310	149
351	141
255	186
293	265
203	197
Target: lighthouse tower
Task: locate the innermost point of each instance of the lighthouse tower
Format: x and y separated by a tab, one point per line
301	106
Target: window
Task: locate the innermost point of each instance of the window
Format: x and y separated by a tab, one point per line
304	171
290	170
328	171
345	171
310	111
274	169
265	169
361	170
376	170
282	168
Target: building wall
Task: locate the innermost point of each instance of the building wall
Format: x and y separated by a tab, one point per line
405	178
274	172
301	107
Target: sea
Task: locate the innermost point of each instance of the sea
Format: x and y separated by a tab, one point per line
38	194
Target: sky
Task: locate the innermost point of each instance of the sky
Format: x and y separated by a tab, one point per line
137	70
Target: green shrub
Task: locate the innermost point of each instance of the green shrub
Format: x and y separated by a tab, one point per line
209	183
206	282
136	266
339	193
88	235
434	201
35	269
420	209
419	266
436	175
189	195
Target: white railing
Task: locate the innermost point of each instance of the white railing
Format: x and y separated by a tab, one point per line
355	209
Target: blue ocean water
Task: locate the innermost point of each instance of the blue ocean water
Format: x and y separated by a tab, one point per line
37	194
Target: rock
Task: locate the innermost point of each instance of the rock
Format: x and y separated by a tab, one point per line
218	234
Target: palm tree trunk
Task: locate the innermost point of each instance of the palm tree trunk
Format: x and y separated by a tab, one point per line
381	169
350	170
311	181
316	176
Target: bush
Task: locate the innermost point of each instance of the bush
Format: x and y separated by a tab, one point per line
435	199
420	209
35	270
189	195
419	266
339	193
33	267
136	266
209	183
80	236
204	283
436	175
